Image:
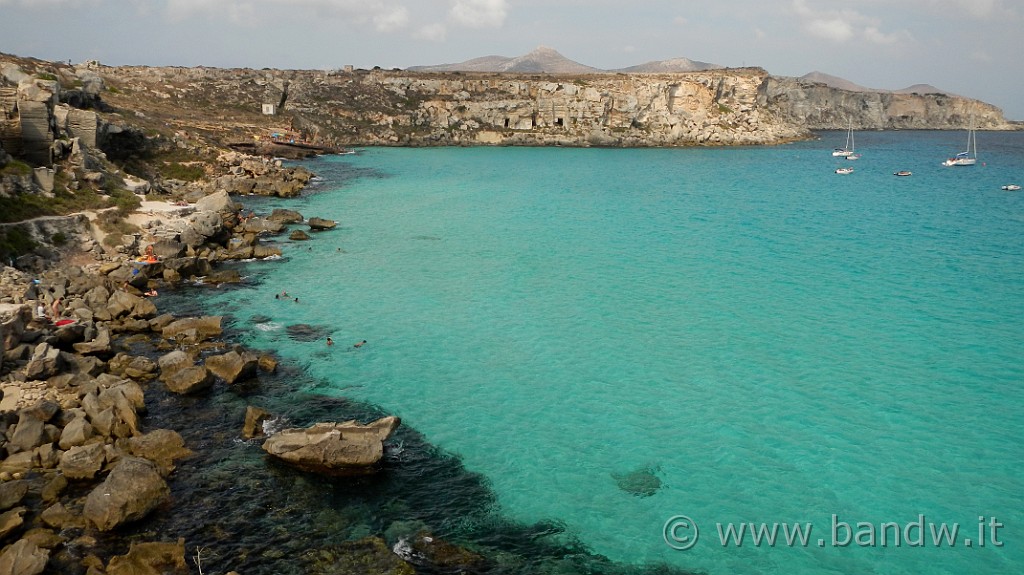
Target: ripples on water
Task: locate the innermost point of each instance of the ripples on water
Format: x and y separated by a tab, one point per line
767	340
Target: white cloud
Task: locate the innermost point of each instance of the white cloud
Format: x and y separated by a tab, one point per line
432	33
384	15
843	25
479	13
680	21
390	19
834	29
876	36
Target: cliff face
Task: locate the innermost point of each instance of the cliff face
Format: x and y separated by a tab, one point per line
405	108
822	107
744	106
711	107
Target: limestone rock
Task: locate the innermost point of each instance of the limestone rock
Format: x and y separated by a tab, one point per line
161	446
113	411
285	216
77	432
83	462
19	462
43	538
11	493
267	364
29	434
59	517
23	558
98	346
233	366
150	558
260	251
129	493
45	362
122	304
216	202
174	362
132	366
192	379
333	448
11	520
13	320
298	235
195	328
318	224
254	418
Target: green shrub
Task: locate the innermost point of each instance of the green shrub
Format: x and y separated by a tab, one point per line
113	222
15	241
16	168
59	239
177	171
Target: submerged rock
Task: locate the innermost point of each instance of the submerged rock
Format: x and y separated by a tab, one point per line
368	555
306	333
155	557
642	482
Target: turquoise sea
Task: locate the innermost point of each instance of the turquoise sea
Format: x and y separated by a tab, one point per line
749	335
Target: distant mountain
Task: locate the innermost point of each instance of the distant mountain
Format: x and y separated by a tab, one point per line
842	84
669	66
922	89
547	60
542	59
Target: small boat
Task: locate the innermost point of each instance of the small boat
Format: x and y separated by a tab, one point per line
903	173
1011	187
847	150
970	156
844	170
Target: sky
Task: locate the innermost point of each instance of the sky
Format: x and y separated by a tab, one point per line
968	47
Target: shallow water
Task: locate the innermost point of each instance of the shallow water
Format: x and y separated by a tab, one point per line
772	341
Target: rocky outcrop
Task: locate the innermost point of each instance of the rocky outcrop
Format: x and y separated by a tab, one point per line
333	448
130	492
820	106
233	366
320	224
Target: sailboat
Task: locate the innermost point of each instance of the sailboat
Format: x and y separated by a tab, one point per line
847	150
970	156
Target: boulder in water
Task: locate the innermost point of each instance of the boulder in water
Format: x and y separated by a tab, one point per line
334	448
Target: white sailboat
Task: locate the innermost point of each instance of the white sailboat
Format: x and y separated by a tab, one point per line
847	150
968	157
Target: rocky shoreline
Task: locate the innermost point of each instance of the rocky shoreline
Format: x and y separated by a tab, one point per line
106	398
79	460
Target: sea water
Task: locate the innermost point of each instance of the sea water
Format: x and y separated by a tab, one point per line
752	337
